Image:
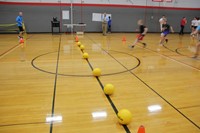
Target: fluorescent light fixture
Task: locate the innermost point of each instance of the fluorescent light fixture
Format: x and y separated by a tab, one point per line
99	115
154	108
54	118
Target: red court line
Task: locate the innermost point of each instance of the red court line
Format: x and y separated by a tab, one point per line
95	5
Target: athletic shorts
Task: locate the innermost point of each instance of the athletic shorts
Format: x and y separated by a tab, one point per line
165	33
194	27
140	36
20	28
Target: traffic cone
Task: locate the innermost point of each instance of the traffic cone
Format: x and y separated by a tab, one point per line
21	40
141	129
76	38
124	38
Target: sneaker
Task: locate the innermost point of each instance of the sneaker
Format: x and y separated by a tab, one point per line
166	40
131	46
144	44
195	56
19	37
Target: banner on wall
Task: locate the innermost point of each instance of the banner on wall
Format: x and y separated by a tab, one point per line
99	16
96	17
65	14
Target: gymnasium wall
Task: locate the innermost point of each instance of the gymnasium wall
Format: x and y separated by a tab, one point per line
38	16
174	3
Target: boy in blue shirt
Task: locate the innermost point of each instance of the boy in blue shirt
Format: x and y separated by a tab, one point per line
109	24
19	21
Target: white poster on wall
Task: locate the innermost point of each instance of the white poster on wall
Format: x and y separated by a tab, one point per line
65	14
99	16
96	16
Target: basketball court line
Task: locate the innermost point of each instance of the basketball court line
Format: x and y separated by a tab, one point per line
185	55
1	56
170	58
108	97
152	88
60	74
12	49
20	124
54	93
9	50
55	85
198	69
188	107
176	51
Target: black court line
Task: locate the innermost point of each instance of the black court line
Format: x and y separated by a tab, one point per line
167	56
165	100
60	74
5	52
55	84
107	96
156	92
112	104
176	59
177	51
188	107
21	124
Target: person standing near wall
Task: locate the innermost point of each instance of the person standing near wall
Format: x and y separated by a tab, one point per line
161	21
104	24
109	24
183	23
194	24
197	31
19	21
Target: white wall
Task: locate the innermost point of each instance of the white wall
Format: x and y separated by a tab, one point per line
175	3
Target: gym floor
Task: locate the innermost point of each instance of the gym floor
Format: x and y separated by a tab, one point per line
47	76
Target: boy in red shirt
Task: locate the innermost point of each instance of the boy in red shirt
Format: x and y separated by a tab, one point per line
183	23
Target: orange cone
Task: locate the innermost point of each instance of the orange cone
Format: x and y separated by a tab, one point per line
124	38
21	40
141	129
76	38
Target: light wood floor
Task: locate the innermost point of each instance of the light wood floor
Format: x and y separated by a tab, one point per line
47	76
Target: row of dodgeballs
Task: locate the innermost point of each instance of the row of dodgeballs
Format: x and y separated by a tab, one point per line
124	115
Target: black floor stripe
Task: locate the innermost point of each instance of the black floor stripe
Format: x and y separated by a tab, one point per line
5	52
154	91
60	74
189	107
168	56
55	84
22	124
108	97
177	51
165	100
